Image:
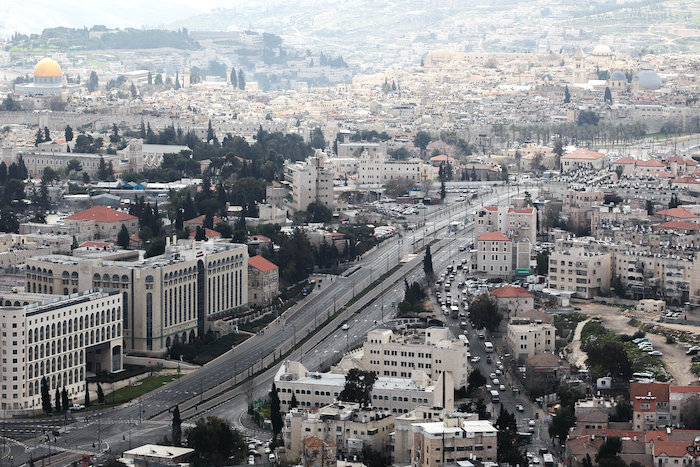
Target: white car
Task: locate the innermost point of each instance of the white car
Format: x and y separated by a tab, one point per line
492	376
496	382
502	387
475	359
520	408
77	407
345	327
655	353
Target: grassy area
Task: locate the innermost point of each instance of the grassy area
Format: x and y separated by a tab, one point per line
137	390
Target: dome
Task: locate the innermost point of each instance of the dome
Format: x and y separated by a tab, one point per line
617	75
601	50
649	79
47	68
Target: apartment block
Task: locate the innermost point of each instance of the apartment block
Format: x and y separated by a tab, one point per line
263	281
350	427
453	440
494	255
584	273
62	339
168	298
515	223
379	170
311	182
434	352
531	333
512	300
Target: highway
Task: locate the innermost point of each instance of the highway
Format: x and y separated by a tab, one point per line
147	419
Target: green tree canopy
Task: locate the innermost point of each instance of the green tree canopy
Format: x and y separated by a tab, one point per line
214	442
483	313
358	387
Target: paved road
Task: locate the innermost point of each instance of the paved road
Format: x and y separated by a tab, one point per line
116	425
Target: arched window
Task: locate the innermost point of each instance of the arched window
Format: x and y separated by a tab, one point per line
74	276
29	355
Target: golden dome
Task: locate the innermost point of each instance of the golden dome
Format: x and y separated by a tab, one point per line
47	68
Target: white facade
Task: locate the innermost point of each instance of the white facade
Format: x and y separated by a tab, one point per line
494	254
527	339
516	223
379	170
435	353
61	339
311	182
585	273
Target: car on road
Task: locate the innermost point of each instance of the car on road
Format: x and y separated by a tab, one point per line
475	359
502	387
345	326
531	423
693	350
655	353
496	381
251	460
492	376
77	407
520	408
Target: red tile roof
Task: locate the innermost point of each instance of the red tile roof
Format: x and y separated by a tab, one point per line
508	291
678	225
546	360
199	220
101	214
493	237
625	160
583	153
680	213
663	174
259	239
671	448
687	179
491	208
207	232
658	390
685	389
261	264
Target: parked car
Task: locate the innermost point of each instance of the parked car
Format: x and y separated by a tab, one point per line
77	407
693	350
655	353
520	408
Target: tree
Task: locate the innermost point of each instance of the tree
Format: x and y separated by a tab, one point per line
690	413
607	97
150	78
674	202
87	395
68	133
421	140
176	429
210	132
587	117
158	81
74	165
65	402
567	95
542	263
610	448
57	398
100	394
224	228
114	137
123	237
45	396
10	104
317	139
428	262
443	192
318	212
558	150
208	220
39	137
483	313
475	381
611	357
358	387
562	422
234	78
398	186
92	82
200	234
3	173
293	403
241	80
177	80
275	412
623	412
214	443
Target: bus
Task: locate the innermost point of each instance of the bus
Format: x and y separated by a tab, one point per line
454	312
495	396
488	346
548	460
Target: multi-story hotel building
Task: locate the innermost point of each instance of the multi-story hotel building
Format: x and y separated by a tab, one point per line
61	339
168	298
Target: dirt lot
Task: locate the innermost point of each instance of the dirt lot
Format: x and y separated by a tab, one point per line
677	362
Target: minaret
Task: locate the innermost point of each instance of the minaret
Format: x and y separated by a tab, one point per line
580	67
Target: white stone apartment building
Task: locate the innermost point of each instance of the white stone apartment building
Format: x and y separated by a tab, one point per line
61	339
346	424
101	222
515	223
311	182
168	298
354	150
379	170
494	254
453	440
583	158
583	272
37	161
531	333
434	352
402	438
147	156
389	395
